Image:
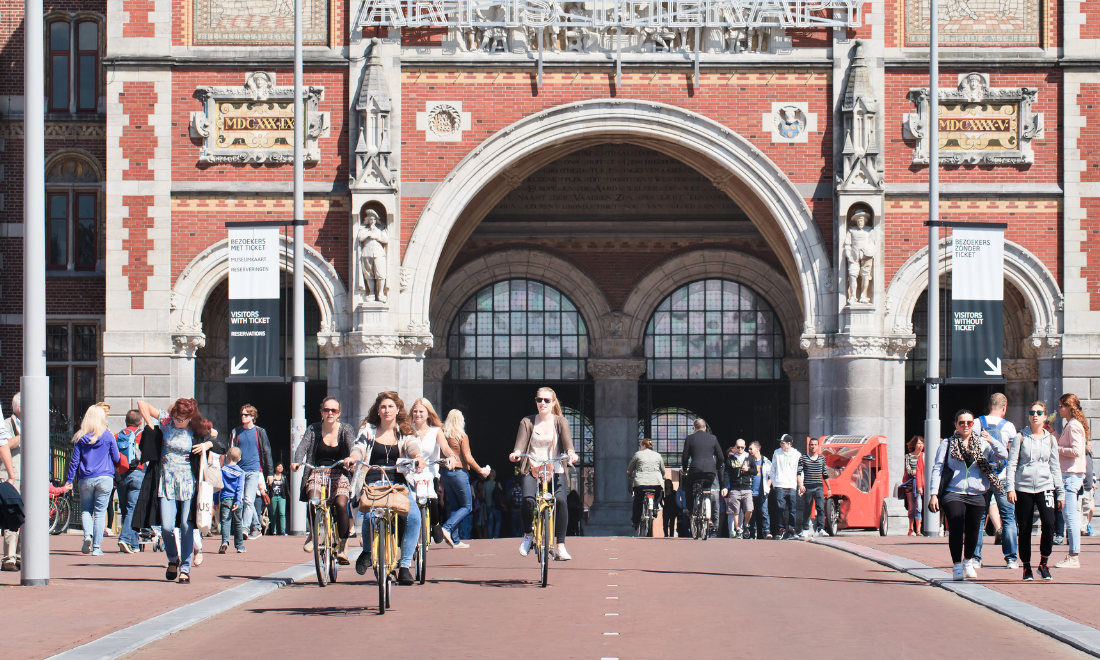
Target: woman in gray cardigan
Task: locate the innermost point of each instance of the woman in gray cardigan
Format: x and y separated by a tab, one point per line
646	472
1035	480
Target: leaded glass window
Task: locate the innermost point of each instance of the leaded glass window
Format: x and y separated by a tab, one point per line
714	330
668	428
518	330
582	432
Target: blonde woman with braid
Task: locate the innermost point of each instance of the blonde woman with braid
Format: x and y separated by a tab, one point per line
1071	457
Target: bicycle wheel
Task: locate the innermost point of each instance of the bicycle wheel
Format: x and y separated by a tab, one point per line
394	546
544	544
320	543
333	565
59	515
422	547
705	522
381	562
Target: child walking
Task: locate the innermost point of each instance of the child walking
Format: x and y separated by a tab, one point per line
231	505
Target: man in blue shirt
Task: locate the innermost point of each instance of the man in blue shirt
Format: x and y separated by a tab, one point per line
760	523
256	464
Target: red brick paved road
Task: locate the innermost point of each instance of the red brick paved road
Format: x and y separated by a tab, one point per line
674	598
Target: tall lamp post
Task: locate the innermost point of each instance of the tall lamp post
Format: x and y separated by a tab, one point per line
298	380
933	380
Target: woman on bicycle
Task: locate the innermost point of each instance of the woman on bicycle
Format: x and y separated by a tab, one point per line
427	427
324	444
645	473
456	478
385	436
545	435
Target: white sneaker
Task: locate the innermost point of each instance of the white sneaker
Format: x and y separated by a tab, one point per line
1012	565
969	567
819	533
461	544
525	546
561	554
957	573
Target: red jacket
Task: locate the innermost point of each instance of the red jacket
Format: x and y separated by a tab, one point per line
920	472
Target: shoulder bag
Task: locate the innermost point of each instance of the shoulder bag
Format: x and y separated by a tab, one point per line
385	496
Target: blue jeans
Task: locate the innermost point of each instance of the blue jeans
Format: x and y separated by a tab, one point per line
1008	528
95	495
494	522
786	499
815	496
168	510
408	540
760	525
250	518
1073	483
456	483
230	520
129	488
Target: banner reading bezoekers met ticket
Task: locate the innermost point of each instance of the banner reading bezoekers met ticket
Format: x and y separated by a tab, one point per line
254	302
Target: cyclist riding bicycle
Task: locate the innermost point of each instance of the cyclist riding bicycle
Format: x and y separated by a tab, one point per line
645	473
384	437
326	444
701	461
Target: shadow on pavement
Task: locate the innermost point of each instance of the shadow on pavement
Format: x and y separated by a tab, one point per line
316	611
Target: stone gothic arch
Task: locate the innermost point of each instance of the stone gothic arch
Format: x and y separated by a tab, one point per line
731	162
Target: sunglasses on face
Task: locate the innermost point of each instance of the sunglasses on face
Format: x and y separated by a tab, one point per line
541	400
330	411
965	423
246	414
1035	412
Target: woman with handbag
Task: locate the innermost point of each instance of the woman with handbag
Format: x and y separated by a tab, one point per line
95	455
914	482
1035	480
385	436
176	440
328	443
547	436
963	477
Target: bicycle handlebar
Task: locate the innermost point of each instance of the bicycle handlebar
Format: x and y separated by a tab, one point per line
540	461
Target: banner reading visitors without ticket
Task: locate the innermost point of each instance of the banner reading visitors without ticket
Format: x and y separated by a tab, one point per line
254	302
977	300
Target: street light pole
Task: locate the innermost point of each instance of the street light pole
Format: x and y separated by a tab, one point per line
932	375
298	381
34	385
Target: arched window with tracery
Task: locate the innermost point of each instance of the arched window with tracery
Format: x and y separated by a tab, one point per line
668	428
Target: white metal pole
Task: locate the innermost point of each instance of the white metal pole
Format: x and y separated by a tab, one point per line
932	388
34	385
298	381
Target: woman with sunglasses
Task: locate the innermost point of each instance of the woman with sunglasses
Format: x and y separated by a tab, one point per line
547	436
326	444
172	444
1071	457
963	478
1035	480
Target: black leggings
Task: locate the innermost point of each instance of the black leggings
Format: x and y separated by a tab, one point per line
339	506
964	524
530	491
1025	518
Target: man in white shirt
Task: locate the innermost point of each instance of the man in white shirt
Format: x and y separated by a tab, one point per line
995	422
784	478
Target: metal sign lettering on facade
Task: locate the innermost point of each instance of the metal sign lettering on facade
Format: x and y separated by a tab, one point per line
254	302
977	301
612	13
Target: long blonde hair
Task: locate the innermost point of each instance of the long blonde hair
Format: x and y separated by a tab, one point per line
433	418
553	395
455	425
94	423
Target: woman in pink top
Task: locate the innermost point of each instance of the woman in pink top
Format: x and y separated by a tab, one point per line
1071	458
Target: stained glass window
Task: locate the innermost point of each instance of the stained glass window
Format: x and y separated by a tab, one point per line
714	330
518	330
668	428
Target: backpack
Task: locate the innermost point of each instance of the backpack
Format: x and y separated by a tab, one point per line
517	494
998	465
128	445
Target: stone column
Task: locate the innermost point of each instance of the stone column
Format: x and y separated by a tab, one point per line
1048	350
798	370
434	370
373	363
616	440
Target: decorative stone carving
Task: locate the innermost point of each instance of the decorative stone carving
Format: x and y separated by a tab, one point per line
359	344
255	122
796	369
859	168
860	248
375	164
443	121
614	324
258	22
616	369
978	124
405	275
188	342
1043	347
436	368
790	122
888	347
1024	370
977	23
373	265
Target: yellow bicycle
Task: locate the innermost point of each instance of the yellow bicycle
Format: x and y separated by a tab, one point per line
546	506
385	546
422	487
322	528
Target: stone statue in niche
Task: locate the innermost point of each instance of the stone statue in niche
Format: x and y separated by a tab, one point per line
859	251
372	256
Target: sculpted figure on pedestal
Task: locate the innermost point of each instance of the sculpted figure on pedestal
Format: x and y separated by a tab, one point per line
859	251
372	256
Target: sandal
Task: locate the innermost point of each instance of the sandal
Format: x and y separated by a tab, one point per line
185	578
173	571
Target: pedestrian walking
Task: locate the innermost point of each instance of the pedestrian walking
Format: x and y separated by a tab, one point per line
760	522
229	511
644	474
784	478
813	488
1088	493
1071	456
92	467
172	445
962	477
1035	481
914	482
256	463
10	458
128	483
494	503
671	510
279	486
456	479
741	469
326	444
515	505
995	422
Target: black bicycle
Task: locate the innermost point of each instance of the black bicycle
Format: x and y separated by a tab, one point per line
650	506
701	510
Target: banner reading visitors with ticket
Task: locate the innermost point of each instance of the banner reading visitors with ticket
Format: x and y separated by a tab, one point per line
254	302
977	300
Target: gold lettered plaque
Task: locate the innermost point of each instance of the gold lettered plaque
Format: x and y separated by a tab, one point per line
254	126
978	126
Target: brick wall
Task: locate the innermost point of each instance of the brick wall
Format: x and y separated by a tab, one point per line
1090	226
1088	140
139	25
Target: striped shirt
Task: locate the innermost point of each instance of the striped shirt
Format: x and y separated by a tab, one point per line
812	470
